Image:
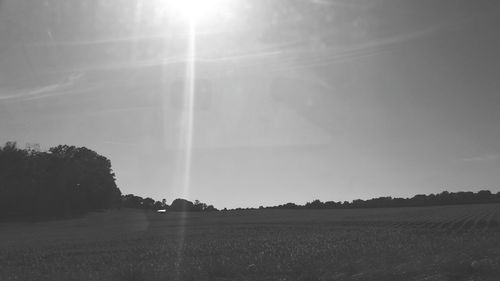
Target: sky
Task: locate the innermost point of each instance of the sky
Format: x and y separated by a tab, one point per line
293	100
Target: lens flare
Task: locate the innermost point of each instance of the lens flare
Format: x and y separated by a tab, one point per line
188	129
188	118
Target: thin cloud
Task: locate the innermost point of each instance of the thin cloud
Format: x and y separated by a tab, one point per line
58	88
121	110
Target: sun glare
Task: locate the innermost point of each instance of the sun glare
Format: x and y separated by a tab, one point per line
199	10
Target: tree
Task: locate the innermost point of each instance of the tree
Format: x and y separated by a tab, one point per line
181	205
63	181
316	204
158	205
210	208
148	203
131	201
199	206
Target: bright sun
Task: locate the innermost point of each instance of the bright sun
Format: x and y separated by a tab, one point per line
199	10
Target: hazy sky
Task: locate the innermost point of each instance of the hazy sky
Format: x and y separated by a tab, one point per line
296	100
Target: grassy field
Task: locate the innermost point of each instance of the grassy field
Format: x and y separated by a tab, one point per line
431	243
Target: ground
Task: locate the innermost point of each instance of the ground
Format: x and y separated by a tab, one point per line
422	243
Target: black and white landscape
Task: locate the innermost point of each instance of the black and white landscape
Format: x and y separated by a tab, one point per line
249	140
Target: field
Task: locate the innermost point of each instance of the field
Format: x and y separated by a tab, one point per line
428	243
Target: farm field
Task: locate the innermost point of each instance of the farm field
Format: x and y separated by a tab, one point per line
421	243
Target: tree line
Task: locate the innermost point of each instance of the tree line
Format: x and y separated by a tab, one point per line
181	205
443	198
67	181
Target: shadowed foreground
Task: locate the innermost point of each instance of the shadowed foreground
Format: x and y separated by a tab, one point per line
431	243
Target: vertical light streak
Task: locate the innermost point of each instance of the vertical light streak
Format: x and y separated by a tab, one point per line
188	130
189	96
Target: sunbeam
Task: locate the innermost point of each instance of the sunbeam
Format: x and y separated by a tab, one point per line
187	127
188	112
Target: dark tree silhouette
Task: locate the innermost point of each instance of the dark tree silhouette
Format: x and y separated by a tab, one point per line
68	180
182	205
443	198
148	203
131	201
64	181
